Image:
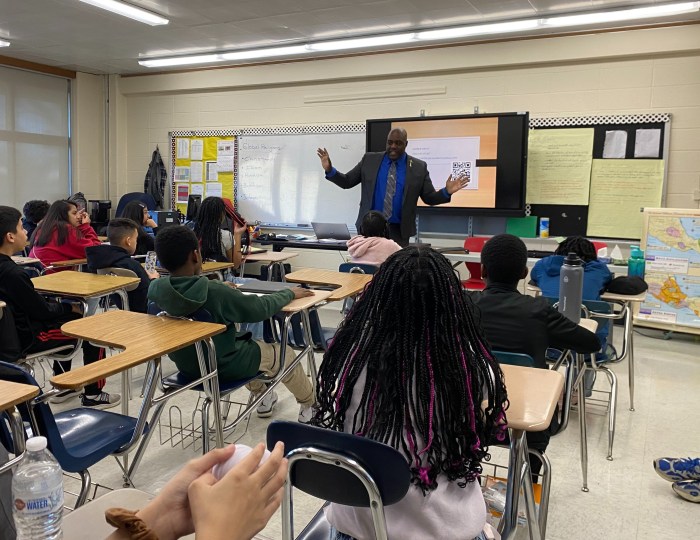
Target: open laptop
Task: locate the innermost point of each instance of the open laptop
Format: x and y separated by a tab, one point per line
330	232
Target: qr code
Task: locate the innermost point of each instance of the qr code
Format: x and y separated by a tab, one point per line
462	168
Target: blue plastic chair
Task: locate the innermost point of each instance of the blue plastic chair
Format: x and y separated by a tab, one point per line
340	468
78	438
514	359
125	199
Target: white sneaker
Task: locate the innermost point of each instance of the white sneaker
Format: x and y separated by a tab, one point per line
267	405
306	413
101	401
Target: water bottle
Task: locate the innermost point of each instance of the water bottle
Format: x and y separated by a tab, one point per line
37	493
635	264
571	287
150	264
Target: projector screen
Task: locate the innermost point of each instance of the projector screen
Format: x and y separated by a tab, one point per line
491	149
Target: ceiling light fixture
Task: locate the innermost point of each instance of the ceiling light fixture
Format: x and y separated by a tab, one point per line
127	10
581	19
4	43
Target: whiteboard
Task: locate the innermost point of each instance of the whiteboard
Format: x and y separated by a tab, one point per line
281	181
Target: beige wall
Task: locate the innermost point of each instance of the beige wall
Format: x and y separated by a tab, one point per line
88	142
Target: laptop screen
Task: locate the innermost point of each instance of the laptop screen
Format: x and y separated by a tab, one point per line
331	231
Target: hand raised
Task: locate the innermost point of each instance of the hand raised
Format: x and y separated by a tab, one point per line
453	185
322	153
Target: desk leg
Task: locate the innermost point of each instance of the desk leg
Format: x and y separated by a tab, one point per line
629	334
580	365
18	436
311	360
508	524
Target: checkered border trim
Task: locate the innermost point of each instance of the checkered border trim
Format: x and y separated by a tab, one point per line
301	130
651	118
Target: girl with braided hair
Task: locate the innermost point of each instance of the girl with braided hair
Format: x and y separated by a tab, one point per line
216	243
409	367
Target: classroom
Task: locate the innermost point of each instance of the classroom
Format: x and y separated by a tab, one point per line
82	110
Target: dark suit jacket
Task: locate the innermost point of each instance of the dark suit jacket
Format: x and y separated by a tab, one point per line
417	184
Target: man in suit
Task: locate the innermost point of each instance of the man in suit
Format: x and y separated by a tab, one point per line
391	182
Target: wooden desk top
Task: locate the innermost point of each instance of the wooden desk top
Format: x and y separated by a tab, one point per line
210	267
612	297
143	338
305	303
80	284
23	261
348	284
12	394
69	262
533	395
271	256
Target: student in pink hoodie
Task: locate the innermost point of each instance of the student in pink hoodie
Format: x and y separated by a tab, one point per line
372	245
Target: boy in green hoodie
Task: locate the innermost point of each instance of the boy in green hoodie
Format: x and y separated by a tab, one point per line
238	356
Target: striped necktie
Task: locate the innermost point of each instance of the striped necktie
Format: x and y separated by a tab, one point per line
390	190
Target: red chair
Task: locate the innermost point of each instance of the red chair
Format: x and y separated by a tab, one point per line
475	282
598	245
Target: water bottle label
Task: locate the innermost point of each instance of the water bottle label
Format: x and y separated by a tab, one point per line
41	504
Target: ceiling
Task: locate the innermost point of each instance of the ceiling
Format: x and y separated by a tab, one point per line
77	36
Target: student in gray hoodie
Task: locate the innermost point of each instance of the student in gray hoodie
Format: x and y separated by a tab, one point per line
238	356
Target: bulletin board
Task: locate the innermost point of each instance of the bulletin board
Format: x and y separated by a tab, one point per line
204	163
593	175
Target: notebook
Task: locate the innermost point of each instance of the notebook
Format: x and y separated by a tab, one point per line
331	231
257	286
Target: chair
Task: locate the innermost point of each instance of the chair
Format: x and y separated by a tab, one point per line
78	438
125	199
599	245
475	282
340	468
514	359
123	272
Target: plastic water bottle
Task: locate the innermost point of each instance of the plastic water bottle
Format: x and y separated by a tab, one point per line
150	265
571	287
37	493
635	264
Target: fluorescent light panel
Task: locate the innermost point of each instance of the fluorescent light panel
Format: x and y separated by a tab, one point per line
127	10
429	35
4	43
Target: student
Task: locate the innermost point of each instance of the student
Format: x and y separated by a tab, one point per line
372	245
519	323
410	368
63	234
138	212
236	507
38	322
122	234
34	212
238	356
216	243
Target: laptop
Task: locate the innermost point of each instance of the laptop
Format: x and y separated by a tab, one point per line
331	231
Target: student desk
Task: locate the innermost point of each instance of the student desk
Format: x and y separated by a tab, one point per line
25	261
208	267
12	394
272	258
69	263
279	245
347	284
533	395
83	285
142	338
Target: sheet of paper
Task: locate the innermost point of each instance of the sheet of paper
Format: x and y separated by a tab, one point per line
183	149
214	189
212	171
620	188
225	148
196	149
197	189
559	166
615	144
647	143
183	192
182	174
224	163
448	156
196	171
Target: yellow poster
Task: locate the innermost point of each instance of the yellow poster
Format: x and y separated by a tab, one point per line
559	166
620	189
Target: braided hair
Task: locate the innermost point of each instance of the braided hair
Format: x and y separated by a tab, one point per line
429	369
207	227
583	247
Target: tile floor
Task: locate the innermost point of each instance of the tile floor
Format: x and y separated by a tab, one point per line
627	500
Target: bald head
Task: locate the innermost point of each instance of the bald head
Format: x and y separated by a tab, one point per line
396	143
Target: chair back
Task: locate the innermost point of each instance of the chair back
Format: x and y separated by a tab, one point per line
123	272
357	268
387	467
475	282
599	245
201	315
144	198
514	359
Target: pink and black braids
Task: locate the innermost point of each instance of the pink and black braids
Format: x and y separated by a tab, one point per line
429	369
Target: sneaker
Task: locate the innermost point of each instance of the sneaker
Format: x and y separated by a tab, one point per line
689	490
677	469
103	400
64	395
267	405
306	413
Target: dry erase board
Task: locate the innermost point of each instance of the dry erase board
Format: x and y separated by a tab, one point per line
280	179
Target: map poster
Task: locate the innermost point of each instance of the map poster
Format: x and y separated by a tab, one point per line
672	268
